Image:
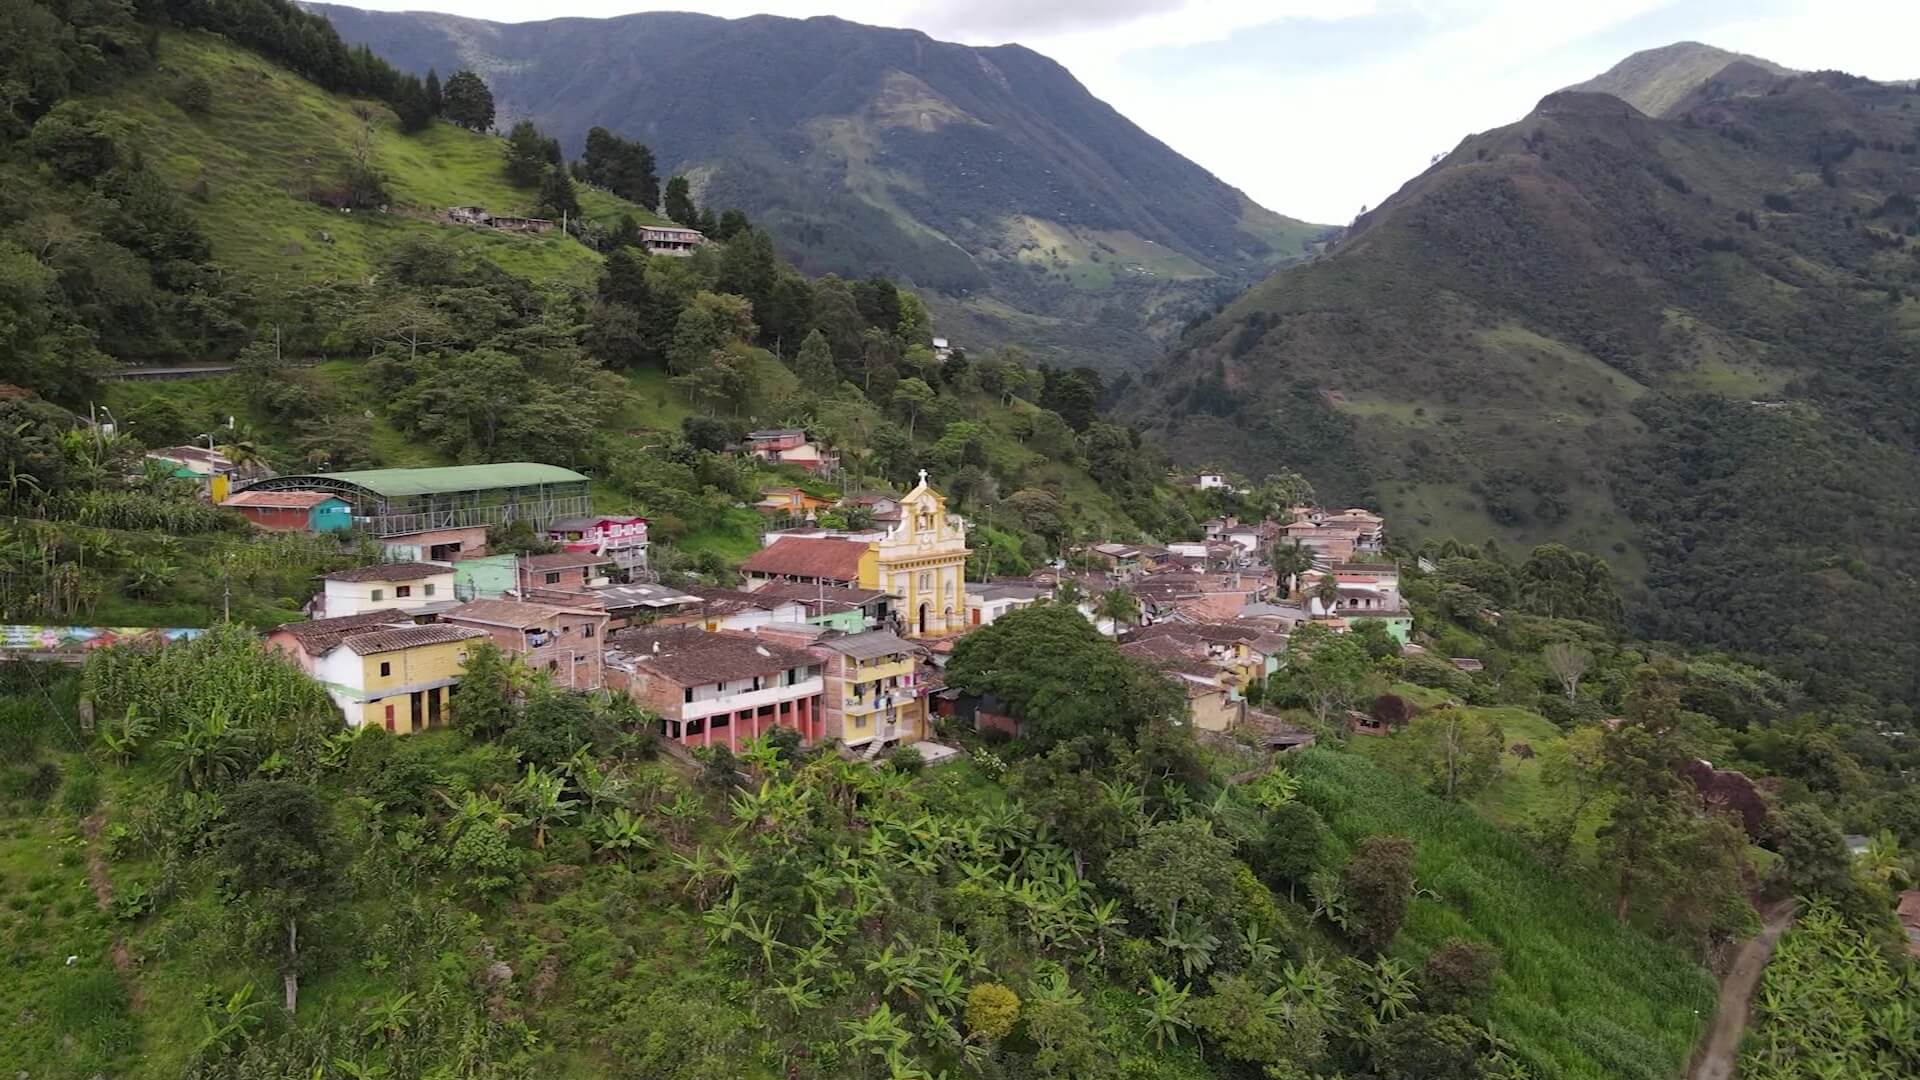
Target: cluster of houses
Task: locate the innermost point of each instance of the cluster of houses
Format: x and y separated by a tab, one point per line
838	633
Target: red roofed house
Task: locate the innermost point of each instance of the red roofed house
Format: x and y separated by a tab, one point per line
564	642
822	560
293	511
717	687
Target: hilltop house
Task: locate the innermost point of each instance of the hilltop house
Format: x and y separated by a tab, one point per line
670	239
408	586
790	446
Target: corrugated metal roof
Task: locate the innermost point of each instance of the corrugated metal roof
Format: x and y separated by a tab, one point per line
867	646
450	478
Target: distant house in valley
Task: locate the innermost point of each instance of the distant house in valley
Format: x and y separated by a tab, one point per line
670	239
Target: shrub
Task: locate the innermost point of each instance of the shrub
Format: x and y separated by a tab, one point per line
195	95
81	794
1458	975
906	759
992	1010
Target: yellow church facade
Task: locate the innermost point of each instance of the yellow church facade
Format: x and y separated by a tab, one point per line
922	562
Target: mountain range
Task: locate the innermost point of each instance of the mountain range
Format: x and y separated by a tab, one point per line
1690	340
1026	208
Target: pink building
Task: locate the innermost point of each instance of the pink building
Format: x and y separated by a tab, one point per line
620	537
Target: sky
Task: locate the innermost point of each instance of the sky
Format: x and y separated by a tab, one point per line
1317	108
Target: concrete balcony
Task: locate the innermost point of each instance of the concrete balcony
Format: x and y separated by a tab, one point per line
701	708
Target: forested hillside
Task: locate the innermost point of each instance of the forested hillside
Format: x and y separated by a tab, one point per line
1586	326
1027	209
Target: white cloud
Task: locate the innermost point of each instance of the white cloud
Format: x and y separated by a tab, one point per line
1316	107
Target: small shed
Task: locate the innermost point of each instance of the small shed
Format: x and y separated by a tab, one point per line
293	511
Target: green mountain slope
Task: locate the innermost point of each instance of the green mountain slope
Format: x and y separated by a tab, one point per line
1507	347
270	137
987	175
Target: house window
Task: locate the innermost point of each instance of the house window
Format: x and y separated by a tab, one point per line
586	630
689	696
553	578
402	591
427	590
378	595
386	669
926	581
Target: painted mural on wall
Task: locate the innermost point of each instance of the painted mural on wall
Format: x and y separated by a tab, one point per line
29	638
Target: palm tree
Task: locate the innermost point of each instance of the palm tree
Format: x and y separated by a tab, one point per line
1119	605
1289	560
1327	591
878	1033
620	833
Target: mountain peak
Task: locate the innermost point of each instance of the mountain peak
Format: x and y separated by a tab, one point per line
1656	80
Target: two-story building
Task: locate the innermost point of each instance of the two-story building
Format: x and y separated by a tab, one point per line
717	688
670	240
399	678
408	586
621	538
564	642
873	695
562	571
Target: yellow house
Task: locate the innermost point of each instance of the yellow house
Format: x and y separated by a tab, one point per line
400	679
922	561
872	692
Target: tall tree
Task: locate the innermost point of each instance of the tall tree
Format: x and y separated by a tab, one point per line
815	364
436	101
557	197
526	153
678	204
274	846
467	102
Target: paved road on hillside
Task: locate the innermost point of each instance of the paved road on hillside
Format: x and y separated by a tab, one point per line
1721	1053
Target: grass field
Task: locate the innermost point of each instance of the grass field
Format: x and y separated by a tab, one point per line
271	137
1579	997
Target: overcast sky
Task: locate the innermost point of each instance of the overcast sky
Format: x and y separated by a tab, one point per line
1317	107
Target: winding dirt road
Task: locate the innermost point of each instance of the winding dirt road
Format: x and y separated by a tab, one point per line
1719	1054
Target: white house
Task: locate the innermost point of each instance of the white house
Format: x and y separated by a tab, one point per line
987	602
406	586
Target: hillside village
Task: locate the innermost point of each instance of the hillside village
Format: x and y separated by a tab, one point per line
836	629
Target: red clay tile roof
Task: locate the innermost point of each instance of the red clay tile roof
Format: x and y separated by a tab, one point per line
689	656
516	614
283	500
317	636
393	571
409	637
815	557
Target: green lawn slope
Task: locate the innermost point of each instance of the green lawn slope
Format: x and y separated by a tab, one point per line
271	137
1579	995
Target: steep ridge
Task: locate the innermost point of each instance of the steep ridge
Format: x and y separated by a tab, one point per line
984	173
1582	326
1659	81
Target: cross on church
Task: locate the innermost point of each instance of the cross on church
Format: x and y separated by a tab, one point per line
923	478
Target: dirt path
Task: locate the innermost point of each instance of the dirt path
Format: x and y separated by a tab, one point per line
1721	1051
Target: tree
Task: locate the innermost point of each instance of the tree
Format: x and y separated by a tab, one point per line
815	365
527	155
557	197
1328	671
1289	559
625	168
1378	885
1568	663
709	323
436	101
1061	677
1178	868
1458	976
1455	752
1293	845
678	205
992	1010
274	846
1327	591
482	705
1428	1046
1118	605
467	102
912	397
